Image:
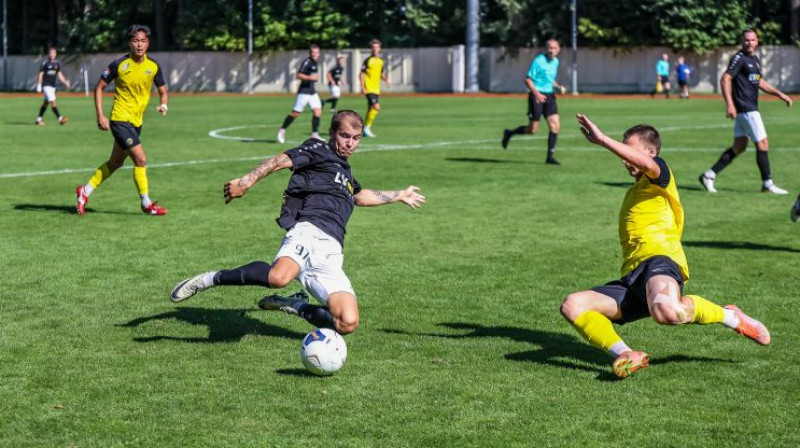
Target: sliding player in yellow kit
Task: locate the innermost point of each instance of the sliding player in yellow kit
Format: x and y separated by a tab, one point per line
654	265
372	73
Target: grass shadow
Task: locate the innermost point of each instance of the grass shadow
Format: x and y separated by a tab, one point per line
66	209
554	349
742	245
300	373
224	325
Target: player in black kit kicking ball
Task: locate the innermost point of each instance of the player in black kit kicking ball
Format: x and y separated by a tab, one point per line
317	204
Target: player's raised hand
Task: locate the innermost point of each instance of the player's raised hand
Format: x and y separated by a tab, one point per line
590	130
102	122
411	197
233	189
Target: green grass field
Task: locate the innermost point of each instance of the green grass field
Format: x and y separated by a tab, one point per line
461	342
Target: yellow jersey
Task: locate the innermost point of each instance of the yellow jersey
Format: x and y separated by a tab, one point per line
133	83
372	70
651	222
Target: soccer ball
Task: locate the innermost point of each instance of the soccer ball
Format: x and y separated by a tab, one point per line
323	352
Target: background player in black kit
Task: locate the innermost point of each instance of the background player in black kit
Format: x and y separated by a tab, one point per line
46	82
306	95
740	85
335	83
318	202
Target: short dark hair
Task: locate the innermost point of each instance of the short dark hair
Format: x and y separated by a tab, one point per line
646	134
749	30
134	29
313	47
341	116
375	41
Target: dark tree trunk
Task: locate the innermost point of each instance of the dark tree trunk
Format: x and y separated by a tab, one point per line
52	23
794	20
160	28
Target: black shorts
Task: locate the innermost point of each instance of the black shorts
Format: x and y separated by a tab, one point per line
126	134
682	83
665	80
372	99
630	291
536	110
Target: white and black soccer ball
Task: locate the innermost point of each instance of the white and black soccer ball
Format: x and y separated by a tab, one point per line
323	352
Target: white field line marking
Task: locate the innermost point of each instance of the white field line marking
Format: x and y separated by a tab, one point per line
462	144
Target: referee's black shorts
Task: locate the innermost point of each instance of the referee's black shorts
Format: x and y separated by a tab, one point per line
536	110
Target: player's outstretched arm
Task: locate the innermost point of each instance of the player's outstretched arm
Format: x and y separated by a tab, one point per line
102	121
236	188
767	87
371	198
635	157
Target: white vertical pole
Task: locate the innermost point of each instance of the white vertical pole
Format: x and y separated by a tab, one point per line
574	8
5	45
473	42
250	47
85	71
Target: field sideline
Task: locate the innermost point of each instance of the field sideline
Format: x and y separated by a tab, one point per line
460	343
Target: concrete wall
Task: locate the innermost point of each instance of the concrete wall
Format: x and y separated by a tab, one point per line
423	69
613	70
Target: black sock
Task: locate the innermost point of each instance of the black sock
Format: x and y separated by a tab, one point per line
287	121
724	160
255	273
551	144
314	124
55	111
519	130
762	158
42	109
333	102
317	316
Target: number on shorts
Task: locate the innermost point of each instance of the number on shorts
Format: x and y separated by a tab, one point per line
302	251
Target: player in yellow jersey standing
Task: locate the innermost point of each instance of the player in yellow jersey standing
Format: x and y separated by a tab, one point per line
372	73
134	75
654	266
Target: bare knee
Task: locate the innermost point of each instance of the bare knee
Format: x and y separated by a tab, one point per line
667	314
377	107
555	128
347	325
279	278
573	306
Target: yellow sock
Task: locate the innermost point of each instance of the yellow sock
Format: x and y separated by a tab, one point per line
140	179
706	312
100	174
371	114
597	329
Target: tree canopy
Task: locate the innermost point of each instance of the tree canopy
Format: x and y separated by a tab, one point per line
84	26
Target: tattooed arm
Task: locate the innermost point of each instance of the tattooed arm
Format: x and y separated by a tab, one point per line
236	188
371	198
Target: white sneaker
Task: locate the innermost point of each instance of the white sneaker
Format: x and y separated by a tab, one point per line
316	135
281	136
773	189
795	213
707	183
368	132
189	287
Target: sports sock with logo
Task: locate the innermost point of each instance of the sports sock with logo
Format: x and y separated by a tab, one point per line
255	273
287	121
724	160
551	144
519	130
598	330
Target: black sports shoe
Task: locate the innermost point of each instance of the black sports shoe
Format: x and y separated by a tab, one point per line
506	138
552	161
286	304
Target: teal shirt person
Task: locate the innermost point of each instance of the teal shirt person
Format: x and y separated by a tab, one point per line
543	72
662	68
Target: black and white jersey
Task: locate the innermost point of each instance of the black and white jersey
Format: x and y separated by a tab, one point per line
746	72
50	70
336	74
320	190
308	67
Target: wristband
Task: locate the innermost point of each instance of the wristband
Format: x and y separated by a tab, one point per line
164	106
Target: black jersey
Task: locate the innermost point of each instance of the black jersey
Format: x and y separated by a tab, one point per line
746	72
50	70
308	67
336	74
320	190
